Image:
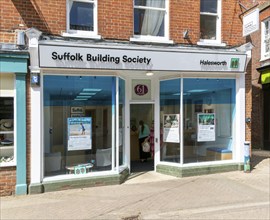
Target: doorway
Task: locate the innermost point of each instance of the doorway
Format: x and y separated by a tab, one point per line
138	112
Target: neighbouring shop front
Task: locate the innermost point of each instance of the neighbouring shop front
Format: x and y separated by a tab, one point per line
90	99
265	81
13	71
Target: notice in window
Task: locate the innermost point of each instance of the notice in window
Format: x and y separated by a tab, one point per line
206	127
79	133
171	128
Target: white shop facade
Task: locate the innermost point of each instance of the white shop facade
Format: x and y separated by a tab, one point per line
87	101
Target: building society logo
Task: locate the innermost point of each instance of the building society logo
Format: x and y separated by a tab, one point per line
234	62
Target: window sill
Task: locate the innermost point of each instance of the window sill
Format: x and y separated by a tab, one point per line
213	44
96	37
151	40
266	57
8	164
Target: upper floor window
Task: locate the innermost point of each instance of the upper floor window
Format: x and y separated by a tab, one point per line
81	18
210	21
151	20
265	45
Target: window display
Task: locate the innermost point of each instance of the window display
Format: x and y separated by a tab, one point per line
207	121
6	131
78	114
208	129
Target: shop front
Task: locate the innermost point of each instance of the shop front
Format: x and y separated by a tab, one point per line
265	81
91	99
13	71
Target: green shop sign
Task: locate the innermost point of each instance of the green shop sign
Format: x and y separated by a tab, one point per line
234	62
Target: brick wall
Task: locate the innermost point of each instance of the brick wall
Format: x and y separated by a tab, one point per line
115	19
7	181
257	93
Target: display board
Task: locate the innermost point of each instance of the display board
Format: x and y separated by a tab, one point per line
79	133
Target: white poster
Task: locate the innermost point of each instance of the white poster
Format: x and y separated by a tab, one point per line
79	133
206	127
171	132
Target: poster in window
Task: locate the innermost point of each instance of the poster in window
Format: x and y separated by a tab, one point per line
79	133
171	128
206	127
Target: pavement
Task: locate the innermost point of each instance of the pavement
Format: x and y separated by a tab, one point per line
150	195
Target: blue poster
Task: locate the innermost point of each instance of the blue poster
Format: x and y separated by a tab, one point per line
79	133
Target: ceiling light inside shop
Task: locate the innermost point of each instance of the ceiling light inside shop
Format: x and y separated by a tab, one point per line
80	99
83	96
197	90
87	93
91	90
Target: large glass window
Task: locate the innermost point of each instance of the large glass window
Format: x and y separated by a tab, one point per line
82	16
7	150
170	120
265	48
210	20
208	115
78	128
150	18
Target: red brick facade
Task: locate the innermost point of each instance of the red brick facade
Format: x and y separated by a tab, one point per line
7	181
115	19
257	93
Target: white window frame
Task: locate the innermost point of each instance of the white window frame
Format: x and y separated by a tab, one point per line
154	39
264	55
217	41
80	33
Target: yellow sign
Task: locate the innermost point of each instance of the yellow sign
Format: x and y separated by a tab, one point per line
265	77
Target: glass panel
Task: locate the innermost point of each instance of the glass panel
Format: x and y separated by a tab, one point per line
209	6
150	3
208	27
121	121
6	130
81	16
208	114
267	36
169	105
77	124
149	22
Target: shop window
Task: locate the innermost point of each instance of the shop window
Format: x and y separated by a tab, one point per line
7	123
6	131
82	18
265	44
170	120
208	115
151	20
210	21
78	119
